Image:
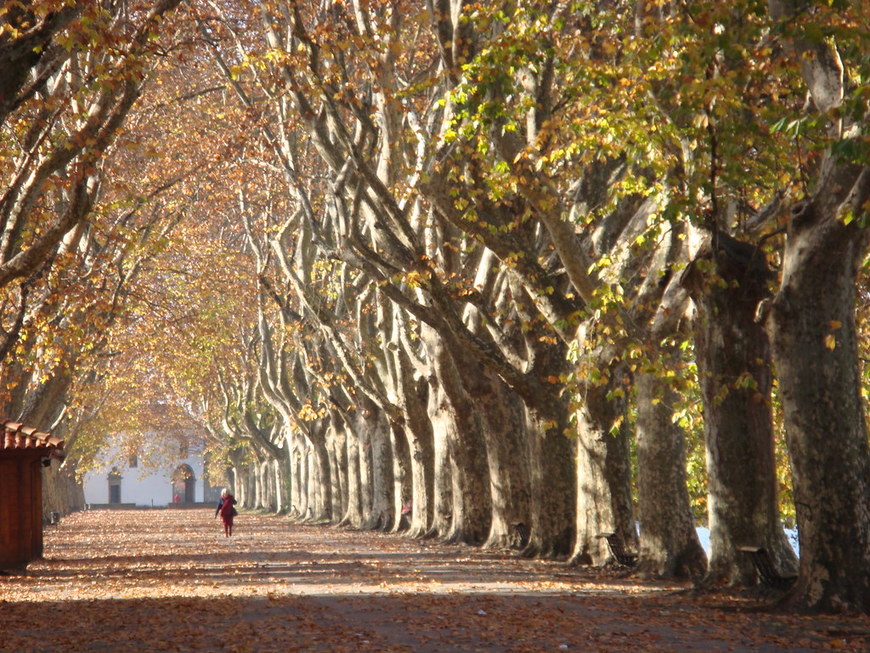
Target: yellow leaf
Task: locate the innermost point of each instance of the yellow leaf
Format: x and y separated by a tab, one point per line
835	324
830	341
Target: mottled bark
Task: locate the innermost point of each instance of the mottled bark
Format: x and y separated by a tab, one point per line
442	490
419	439
401	463
603	474
669	545
61	490
553	487
321	504
470	515
507	456
812	326
377	480
338	471
353	507
727	281
382	510
282	496
300	476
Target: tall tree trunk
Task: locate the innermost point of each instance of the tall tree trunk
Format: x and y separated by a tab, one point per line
603	475
669	545
552	454
322	508
732	351
337	471
338	465
353	512
280	486
377	481
507	456
553	488
442	490
812	326
382	478
400	459
300	455
420	444
422	433
508	463
470	518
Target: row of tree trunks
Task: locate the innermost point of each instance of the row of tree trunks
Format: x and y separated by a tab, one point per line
453	463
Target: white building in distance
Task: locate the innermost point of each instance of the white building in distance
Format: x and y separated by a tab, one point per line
118	481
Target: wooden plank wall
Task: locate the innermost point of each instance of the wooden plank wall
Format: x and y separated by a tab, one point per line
20	509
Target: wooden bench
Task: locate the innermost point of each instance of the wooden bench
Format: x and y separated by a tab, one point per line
520	534
617	548
767	572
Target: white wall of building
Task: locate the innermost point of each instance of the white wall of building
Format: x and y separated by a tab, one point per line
139	485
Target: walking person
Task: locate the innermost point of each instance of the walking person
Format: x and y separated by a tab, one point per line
227	511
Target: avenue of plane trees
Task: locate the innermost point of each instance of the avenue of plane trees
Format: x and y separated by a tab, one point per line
479	271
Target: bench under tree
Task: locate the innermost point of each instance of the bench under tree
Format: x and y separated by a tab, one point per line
768	574
617	548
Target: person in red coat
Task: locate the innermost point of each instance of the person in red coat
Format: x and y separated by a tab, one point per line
227	511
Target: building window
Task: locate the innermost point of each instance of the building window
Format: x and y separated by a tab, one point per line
133	461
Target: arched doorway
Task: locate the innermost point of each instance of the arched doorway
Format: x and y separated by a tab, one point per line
183	484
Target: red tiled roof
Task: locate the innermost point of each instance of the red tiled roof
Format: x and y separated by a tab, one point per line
17	436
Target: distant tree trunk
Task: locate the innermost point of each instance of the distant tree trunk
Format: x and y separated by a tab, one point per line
503	416
442	491
460	425
401	463
263	483
382	475
733	357
377	481
419	440
243	483
337	471
353	509
812	326
322	509
669	545
603	475
300	467
421	461
552	466
279	470
364	425
552	490
509	463
470	518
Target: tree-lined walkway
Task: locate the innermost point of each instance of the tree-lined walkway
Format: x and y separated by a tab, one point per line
168	580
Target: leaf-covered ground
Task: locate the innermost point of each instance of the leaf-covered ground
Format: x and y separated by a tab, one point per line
168	580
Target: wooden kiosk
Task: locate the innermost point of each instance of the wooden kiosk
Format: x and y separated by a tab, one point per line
23	453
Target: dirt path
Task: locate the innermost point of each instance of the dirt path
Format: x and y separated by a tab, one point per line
167	580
